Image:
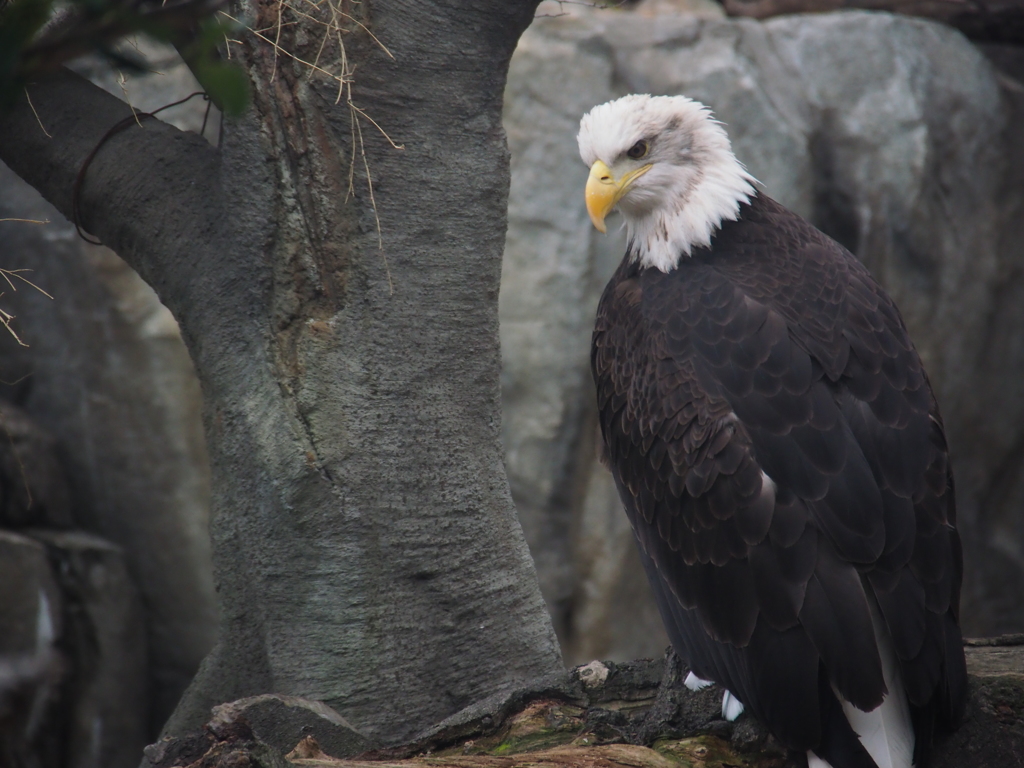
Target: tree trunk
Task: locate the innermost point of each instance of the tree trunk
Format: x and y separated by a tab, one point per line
366	549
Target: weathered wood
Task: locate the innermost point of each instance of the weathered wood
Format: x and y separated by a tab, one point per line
707	751
993	21
630	716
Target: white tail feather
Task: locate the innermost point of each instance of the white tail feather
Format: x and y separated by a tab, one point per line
886	732
695	683
731	706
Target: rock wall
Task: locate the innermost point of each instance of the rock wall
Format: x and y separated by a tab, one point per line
106	684
30	668
895	136
107	376
74	677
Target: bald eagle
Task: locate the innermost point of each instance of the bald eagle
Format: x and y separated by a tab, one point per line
777	447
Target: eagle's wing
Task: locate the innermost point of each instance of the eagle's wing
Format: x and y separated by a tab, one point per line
779	453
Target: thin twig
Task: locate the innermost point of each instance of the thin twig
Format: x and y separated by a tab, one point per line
374	123
323	44
352	160
29	221
272	27
280	49
365	29
123	81
206	116
333	28
7	274
373	204
5	319
349	72
33	108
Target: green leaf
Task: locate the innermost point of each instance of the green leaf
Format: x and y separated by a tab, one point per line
226	84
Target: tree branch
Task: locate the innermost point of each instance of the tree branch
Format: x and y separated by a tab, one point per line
993	21
148	186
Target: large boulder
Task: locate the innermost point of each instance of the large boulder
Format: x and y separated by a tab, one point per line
105	702
551	276
106	374
893	135
31	667
74	678
111	381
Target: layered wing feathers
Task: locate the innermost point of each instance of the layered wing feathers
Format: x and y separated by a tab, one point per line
778	449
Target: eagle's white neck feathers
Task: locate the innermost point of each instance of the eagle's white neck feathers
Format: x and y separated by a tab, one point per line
695	181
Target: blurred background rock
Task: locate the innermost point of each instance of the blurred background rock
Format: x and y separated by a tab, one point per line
896	136
105	397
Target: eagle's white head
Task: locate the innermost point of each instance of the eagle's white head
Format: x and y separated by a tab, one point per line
668	166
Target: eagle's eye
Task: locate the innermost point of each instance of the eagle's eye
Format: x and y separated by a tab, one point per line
638	150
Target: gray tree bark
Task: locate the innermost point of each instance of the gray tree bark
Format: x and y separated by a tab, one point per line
366	549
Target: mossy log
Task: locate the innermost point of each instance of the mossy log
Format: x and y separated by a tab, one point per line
635	715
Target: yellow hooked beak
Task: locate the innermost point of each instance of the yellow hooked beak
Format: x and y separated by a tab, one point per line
603	191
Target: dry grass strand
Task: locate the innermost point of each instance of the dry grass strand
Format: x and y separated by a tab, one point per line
10	275
334	29
33	108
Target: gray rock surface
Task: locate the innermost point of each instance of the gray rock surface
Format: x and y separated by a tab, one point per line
614	614
551	278
33	483
31	669
107	375
104	638
896	136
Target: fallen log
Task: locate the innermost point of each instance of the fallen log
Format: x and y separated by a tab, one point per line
607	715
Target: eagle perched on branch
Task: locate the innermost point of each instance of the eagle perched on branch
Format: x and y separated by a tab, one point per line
777	446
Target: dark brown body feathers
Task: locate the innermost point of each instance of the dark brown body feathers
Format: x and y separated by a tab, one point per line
775	352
